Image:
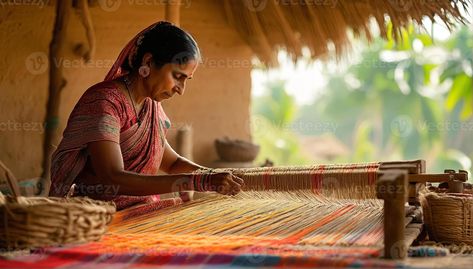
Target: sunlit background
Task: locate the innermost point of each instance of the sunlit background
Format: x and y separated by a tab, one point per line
383	101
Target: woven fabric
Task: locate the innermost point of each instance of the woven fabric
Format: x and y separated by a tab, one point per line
71	258
74	258
270	224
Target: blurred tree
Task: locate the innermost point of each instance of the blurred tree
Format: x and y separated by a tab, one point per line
272	115
400	100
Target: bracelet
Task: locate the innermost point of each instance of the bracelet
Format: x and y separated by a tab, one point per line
200	180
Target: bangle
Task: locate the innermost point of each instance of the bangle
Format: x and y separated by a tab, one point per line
197	178
200	180
191	183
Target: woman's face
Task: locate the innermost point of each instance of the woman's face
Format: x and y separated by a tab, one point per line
168	80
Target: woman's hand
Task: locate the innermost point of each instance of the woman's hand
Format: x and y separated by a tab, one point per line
225	183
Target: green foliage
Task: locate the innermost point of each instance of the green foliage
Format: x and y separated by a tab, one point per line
406	95
272	116
461	94
280	145
277	106
365	147
403	100
459	69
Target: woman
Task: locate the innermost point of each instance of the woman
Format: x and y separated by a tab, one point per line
114	143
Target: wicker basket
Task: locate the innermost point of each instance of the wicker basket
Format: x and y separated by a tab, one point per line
449	217
236	150
29	222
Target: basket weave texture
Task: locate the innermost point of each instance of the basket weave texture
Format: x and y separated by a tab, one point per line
449	217
39	221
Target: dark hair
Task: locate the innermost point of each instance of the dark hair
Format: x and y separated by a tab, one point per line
167	43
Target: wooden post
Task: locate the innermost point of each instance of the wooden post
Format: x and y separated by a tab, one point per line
184	148
56	84
173	11
184	142
86	20
392	188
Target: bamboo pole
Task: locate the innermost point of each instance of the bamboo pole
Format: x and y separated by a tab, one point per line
56	84
173	11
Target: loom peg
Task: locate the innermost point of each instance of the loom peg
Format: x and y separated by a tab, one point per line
455	186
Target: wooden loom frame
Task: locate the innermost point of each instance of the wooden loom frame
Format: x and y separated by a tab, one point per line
397	184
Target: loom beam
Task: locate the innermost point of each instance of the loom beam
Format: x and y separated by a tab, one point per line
417	177
392	188
445	177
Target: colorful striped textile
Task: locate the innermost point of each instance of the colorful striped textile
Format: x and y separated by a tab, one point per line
280	221
72	258
284	218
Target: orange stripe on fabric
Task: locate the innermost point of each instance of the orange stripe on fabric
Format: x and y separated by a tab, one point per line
296	237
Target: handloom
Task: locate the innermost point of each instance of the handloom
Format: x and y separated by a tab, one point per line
293	209
322	215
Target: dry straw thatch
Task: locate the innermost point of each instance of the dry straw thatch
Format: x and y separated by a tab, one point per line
267	25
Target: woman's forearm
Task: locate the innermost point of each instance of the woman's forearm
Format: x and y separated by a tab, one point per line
178	180
183	165
129	183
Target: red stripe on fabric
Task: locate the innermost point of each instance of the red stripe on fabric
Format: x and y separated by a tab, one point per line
372	173
49	262
161	259
267	178
317	176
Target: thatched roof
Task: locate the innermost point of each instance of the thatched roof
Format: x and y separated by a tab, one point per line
268	25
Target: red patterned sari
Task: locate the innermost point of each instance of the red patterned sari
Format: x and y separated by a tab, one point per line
104	113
